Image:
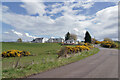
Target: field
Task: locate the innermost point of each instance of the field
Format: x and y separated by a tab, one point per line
118	45
44	58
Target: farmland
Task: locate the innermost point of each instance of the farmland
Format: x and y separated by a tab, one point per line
118	45
44	58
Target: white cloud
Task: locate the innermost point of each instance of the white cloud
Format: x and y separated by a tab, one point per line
5	8
103	24
34	7
27	34
75	29
10	36
17	33
106	23
6	32
13	35
84	4
69	5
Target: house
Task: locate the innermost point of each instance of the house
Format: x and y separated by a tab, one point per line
39	40
72	41
77	42
55	40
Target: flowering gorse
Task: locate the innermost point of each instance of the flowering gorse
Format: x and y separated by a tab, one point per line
15	53
71	50
109	44
97	42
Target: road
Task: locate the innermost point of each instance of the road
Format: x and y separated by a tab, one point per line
101	65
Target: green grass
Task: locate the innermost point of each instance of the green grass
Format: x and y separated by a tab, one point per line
118	44
45	58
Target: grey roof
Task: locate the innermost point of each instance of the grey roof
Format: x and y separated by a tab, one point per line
38	38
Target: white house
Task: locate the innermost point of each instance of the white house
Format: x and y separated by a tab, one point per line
72	41
55	40
39	40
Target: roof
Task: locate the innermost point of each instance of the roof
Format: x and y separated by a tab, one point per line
70	40
55	38
38	38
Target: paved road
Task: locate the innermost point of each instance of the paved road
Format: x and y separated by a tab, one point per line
101	65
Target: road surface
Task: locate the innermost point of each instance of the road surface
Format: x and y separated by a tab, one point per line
101	65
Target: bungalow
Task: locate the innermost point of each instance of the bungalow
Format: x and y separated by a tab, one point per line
39	40
72	41
55	40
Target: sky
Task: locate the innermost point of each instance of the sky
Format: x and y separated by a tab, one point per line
29	20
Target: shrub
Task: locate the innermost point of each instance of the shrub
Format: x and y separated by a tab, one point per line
109	44
19	40
15	53
97	42
107	39
72	50
62	52
81	48
87	44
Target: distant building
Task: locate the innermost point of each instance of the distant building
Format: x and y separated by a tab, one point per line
55	40
72	41
39	40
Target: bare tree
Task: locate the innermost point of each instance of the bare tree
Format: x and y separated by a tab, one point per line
73	36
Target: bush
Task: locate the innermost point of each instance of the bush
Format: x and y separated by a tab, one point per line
15	53
72	50
109	44
81	48
19	40
107	39
97	42
87	44
62	52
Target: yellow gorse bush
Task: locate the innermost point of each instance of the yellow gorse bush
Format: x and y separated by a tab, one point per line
86	44
77	49
97	42
109	44
15	53
73	50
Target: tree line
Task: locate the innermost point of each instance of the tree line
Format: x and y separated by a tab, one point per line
69	36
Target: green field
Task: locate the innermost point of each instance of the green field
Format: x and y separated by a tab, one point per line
45	58
118	45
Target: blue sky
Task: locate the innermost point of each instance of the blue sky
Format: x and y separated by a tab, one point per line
54	19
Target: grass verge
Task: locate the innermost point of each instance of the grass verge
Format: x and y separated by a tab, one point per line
45	59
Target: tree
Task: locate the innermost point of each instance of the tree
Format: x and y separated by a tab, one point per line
67	36
107	39
93	40
73	36
19	40
87	37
